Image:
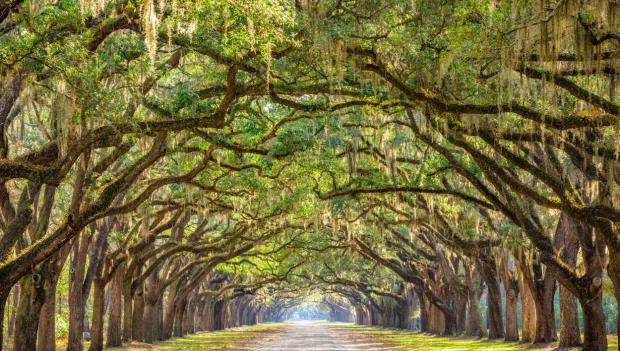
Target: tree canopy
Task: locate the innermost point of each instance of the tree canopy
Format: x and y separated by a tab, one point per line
210	163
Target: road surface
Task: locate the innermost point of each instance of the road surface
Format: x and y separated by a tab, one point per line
315	336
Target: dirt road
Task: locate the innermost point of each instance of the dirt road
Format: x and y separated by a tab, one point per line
315	336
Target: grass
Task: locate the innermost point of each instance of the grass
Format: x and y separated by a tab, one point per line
409	340
613	342
229	339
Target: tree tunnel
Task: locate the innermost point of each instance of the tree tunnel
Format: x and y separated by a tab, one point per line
172	167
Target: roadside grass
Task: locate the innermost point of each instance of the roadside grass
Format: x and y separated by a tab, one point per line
229	339
410	340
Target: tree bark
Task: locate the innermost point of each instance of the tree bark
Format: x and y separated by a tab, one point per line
76	298
474	316
137	323
150	321
595	337
46	338
96	341
423	312
127	313
15	301
570	335
160	319
528	312
151	302
114	337
178	317
512	326
169	312
488	270
403	315
32	297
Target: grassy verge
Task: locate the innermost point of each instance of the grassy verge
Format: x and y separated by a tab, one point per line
229	339
408	340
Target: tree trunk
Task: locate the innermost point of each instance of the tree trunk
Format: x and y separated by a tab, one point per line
127	314
403	315
96	341
113	338
76	298
543	320
151	301
423	313
450	322
474	316
528	312
160	319
570	335
32	297
31	300
595	336
488	270
137	323
150	321
512	326
169	313
188	318
46	338
178	318
15	301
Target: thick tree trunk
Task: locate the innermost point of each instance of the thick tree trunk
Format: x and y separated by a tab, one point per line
528	312
96	341
32	297
169	313
160	319
403	315
76	299
595	336
570	335
423	312
188	319
494	316
137	323
76	320
495	325
150	321
179	316
114	337
512	326
449	322
543	321
359	315
151	302
474	316
46	338
127	314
